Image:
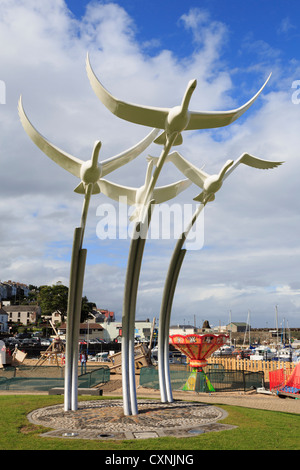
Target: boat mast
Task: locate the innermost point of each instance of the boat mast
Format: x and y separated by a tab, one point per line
230	326
245	335
276	325
249	326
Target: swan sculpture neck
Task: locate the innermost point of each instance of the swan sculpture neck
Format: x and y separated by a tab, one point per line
179	116
227	165
95	154
90	171
188	94
148	174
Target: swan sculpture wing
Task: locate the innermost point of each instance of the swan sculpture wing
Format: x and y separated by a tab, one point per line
74	165
130	112
63	159
255	162
196	175
212	183
127	156
165	193
212	119
115	191
158	117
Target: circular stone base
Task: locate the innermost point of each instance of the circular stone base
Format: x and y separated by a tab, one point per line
104	419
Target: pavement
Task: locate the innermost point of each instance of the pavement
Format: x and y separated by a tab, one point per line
260	401
248	400
104	419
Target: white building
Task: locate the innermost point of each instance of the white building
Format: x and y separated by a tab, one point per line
24	314
183	330
113	330
143	330
3	321
87	331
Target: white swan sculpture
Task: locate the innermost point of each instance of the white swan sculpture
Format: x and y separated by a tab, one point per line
88	171
212	183
138	196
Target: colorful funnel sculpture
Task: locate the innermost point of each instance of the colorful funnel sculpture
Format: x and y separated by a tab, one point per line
198	348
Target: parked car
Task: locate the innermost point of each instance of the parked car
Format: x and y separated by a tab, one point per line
11	342
101	357
45	342
23	335
31	342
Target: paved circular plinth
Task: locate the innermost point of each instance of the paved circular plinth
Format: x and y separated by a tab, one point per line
104	419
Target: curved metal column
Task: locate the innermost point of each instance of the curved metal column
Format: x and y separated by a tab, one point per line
76	324
126	330
165	312
77	268
131	286
168	310
132	309
129	308
73	320
70	317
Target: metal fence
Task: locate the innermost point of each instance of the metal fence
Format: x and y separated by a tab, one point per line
234	380
44	378
253	366
220	379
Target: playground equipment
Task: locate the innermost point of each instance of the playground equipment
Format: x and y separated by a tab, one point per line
141	359
54	352
198	348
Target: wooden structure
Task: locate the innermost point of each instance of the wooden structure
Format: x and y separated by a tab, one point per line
253	366
18	357
141	359
56	348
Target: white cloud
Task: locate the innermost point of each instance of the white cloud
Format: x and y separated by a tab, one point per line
286	26
251	230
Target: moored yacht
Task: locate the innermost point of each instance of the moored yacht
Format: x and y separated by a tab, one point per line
263	353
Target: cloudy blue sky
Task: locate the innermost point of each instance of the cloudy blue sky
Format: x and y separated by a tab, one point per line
146	52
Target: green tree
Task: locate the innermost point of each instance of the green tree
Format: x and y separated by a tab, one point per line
85	309
53	298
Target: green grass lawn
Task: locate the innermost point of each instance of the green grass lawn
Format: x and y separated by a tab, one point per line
257	430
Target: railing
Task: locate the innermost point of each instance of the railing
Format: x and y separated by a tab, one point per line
220	379
39	378
94	377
